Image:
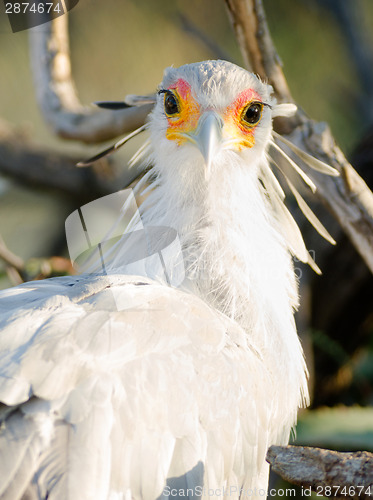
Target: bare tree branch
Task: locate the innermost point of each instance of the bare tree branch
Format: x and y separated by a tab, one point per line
251	29
57	97
31	166
19	271
326	472
10	258
14	265
348	197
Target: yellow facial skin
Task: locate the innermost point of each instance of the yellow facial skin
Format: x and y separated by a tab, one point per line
237	138
237	132
235	124
186	120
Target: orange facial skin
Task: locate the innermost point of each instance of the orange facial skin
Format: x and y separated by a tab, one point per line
235	127
187	120
236	132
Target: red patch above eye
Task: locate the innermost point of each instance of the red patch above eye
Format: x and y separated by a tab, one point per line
244	98
182	87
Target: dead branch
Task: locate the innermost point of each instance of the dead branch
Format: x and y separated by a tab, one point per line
33	167
347	197
19	271
10	258
326	472
14	265
259	54
57	96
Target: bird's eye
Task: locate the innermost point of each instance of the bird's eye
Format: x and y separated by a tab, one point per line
171	105
252	114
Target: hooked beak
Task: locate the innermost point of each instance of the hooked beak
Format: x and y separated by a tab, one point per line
208	138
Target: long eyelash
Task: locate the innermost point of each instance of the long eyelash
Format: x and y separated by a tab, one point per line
162	91
267	105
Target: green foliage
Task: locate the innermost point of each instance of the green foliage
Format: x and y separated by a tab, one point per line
340	428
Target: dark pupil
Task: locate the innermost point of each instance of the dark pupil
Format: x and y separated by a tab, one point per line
170	104
253	113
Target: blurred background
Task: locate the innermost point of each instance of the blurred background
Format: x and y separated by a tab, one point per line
122	46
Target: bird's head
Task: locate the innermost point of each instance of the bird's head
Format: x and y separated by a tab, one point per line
209	111
211	129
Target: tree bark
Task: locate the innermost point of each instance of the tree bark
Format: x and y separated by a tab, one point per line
57	96
328	473
33	167
347	197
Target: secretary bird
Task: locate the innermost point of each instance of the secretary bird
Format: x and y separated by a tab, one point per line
182	392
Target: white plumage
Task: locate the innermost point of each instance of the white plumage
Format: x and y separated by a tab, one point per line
184	389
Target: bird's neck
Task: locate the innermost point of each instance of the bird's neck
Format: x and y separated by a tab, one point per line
234	257
237	261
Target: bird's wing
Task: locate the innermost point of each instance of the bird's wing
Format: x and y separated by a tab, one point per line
103	403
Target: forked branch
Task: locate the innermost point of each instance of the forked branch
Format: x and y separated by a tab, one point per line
57	96
347	197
